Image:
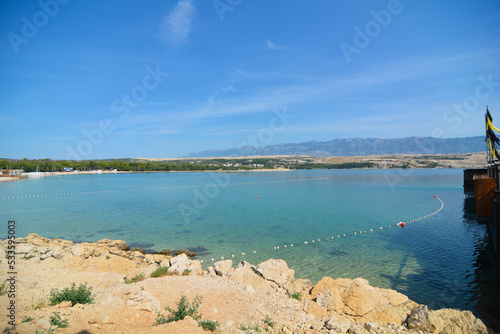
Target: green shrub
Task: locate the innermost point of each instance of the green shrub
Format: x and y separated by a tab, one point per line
250	328
186	272
268	322
135	279
56	320
160	272
184	309
209	325
80	295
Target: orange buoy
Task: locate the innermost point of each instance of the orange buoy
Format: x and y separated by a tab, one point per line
402	224
257	196
141	188
435	196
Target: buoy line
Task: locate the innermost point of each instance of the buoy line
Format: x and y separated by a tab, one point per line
155	188
330	237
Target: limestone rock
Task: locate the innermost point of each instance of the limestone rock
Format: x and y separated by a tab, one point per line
331	300
143	300
245	274
421	319
223	268
362	298
456	321
165	262
211	272
24	248
314	309
154	258
338	323
195	268
136	255
84	250
65	304
276	271
339	284
357	329
36	240
178	264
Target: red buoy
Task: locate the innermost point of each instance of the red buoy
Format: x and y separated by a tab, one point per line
257	196
402	224
435	196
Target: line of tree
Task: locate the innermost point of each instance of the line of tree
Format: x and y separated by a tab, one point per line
49	165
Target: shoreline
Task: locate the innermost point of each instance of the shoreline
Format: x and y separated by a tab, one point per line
232	294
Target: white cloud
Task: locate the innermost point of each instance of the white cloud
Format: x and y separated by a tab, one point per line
176	25
273	46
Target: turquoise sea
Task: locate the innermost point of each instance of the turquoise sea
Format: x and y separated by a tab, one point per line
444	260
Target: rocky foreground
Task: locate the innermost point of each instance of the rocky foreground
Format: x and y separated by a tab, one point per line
242	299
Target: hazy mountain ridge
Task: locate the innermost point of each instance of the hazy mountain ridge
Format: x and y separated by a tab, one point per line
357	147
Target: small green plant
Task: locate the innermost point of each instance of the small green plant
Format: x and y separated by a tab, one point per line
209	325
135	279
186	272
27	257
295	295
160	272
250	328
56	320
43	331
108	257
3	288
27	319
184	309
268	322
80	295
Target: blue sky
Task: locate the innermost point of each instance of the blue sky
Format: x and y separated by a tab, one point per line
112	79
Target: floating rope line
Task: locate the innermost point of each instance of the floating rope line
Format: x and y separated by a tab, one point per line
158	188
332	237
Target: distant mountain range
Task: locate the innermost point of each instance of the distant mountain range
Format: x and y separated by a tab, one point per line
357	147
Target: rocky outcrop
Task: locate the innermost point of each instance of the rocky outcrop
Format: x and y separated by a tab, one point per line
330	306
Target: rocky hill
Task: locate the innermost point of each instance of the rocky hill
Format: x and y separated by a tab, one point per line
234	298
357	147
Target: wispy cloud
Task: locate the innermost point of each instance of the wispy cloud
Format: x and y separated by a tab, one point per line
273	46
176	25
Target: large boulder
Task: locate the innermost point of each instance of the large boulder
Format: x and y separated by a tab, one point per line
246	274
357	300
179	264
223	268
195	268
276	271
362	298
456	321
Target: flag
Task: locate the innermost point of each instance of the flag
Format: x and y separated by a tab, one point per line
491	138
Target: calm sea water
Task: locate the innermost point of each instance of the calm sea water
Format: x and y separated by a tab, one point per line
444	260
